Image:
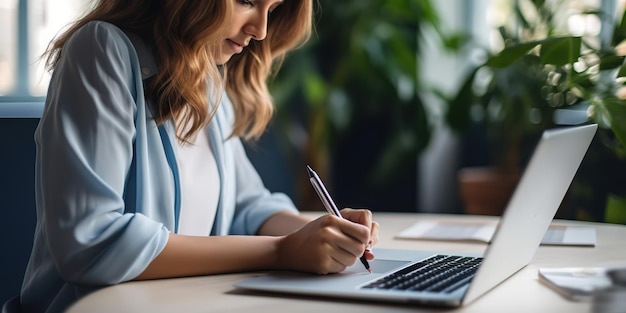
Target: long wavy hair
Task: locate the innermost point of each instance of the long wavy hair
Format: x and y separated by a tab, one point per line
186	35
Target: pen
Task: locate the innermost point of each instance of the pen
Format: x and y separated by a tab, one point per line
329	204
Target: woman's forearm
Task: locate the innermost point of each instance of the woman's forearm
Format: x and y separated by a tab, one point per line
283	223
286	241
204	255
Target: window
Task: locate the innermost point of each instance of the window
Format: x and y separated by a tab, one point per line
570	19
29	25
27	28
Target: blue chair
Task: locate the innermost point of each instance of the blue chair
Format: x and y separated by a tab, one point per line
17	195
12	305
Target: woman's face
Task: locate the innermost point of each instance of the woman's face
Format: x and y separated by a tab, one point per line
249	23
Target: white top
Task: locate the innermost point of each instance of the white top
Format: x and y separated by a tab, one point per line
199	185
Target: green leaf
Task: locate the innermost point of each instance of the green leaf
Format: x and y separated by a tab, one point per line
315	90
402	145
519	14
617	111
611	113
615	211
455	41
458	114
538	4
560	51
611	61
622	70
511	54
620	31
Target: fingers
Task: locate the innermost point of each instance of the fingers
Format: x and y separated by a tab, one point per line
359	216
343	234
322	246
375	229
363	217
329	244
360	233
357	232
332	259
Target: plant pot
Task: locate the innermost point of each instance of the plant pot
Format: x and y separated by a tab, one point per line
486	190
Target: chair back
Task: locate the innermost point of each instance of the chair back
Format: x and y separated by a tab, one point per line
12	305
18	122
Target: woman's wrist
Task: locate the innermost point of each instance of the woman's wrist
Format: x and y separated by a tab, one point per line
280	260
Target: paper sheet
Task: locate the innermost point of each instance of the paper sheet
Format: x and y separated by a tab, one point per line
575	283
482	232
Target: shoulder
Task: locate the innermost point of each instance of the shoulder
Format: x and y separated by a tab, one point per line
99	33
97	39
99	27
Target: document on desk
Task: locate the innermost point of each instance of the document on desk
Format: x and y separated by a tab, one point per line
483	231
575	283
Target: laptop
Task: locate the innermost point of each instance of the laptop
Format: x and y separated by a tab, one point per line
452	280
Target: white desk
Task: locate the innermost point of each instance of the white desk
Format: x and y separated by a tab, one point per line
520	293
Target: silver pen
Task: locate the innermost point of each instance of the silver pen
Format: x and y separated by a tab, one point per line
329	204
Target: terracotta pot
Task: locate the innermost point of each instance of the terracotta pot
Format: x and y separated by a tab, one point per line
486	190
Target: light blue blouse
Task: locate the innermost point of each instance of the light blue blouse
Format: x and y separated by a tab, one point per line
107	189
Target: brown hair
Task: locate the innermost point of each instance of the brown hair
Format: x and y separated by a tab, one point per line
186	34
289	26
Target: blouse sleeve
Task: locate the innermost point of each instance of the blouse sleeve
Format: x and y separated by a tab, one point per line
253	202
85	148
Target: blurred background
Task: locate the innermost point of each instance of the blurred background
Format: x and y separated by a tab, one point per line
399	105
435	106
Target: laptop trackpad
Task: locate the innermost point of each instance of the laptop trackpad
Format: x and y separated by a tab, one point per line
378	266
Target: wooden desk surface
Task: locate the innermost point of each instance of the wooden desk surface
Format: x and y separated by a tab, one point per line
520	293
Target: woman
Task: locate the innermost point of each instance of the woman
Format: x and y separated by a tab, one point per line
139	156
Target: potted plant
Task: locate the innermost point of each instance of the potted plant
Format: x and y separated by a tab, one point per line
572	72
504	107
349	100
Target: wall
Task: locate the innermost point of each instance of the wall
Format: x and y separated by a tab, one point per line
438	165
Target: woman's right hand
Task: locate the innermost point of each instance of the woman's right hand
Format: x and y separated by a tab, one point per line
328	244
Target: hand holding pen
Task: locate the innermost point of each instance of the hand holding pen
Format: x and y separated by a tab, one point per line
329	204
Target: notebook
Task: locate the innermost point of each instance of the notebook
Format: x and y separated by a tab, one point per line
417	277
434	229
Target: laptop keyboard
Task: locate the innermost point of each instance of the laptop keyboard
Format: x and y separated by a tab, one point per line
440	273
